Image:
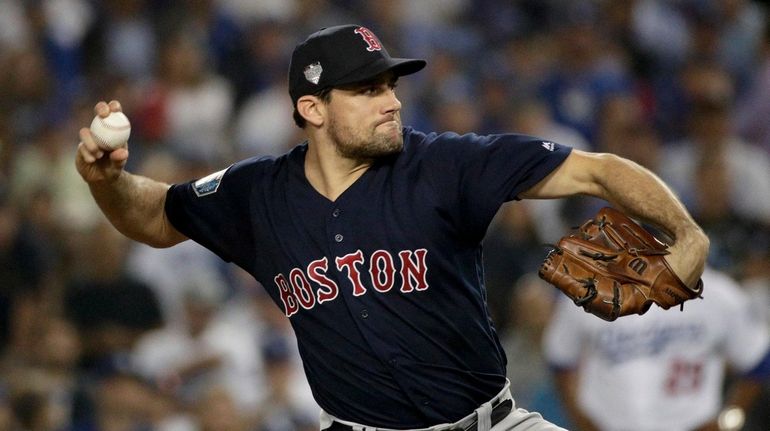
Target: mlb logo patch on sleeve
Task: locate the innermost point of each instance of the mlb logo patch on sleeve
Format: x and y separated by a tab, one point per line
209	184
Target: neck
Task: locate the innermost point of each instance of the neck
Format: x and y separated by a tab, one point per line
330	173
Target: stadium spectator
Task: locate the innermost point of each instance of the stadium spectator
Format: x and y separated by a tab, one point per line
226	71
661	370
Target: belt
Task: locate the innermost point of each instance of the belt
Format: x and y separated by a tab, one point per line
499	412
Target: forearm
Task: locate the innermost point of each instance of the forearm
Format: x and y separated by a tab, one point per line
135	206
132	203
638	192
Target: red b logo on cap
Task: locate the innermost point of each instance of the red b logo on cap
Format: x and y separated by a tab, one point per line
369	38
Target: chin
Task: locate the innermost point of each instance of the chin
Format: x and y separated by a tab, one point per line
394	132
392	144
381	146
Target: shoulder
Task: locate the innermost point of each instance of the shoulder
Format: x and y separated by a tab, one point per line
242	175
267	165
236	176
415	140
451	142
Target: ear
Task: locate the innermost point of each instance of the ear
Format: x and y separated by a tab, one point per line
312	109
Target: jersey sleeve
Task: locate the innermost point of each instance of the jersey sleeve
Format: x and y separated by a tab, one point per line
475	175
214	211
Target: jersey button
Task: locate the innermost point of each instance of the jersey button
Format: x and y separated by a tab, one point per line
336	212
364	314
338	237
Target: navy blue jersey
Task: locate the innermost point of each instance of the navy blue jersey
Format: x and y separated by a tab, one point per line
384	286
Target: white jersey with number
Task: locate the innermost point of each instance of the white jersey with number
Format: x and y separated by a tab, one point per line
663	370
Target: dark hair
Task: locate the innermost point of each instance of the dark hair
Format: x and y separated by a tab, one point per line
324	94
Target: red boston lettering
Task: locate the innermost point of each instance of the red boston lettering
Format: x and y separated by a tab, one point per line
302	289
413	271
297	290
316	271
348	262
287	295
382	270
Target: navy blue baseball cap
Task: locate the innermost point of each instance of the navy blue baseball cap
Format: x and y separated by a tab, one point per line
341	55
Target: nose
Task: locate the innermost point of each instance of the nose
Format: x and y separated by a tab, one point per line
393	104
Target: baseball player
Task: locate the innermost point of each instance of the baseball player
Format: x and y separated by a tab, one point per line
368	236
661	371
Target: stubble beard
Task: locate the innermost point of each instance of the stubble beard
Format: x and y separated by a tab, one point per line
353	145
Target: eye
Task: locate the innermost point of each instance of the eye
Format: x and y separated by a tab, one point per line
376	89
370	90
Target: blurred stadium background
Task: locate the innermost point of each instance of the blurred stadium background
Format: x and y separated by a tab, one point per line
100	333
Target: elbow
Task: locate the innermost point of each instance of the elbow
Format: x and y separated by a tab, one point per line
154	241
160	237
167	236
611	166
603	172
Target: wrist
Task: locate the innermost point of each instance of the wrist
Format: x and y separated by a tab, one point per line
693	238
107	181
694	241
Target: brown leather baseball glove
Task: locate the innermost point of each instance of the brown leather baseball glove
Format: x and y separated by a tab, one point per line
613	267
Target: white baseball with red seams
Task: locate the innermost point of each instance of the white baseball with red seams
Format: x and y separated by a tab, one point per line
111	132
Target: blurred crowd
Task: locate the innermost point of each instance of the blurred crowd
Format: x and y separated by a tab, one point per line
99	333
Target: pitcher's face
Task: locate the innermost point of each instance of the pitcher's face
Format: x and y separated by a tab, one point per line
364	119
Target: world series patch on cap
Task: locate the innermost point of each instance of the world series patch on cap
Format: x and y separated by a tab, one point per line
341	55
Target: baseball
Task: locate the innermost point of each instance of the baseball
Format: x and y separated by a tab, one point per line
111	132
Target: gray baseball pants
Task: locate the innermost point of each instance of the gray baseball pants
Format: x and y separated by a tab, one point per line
480	420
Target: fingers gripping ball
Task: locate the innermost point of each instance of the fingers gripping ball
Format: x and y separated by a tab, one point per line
613	267
111	132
